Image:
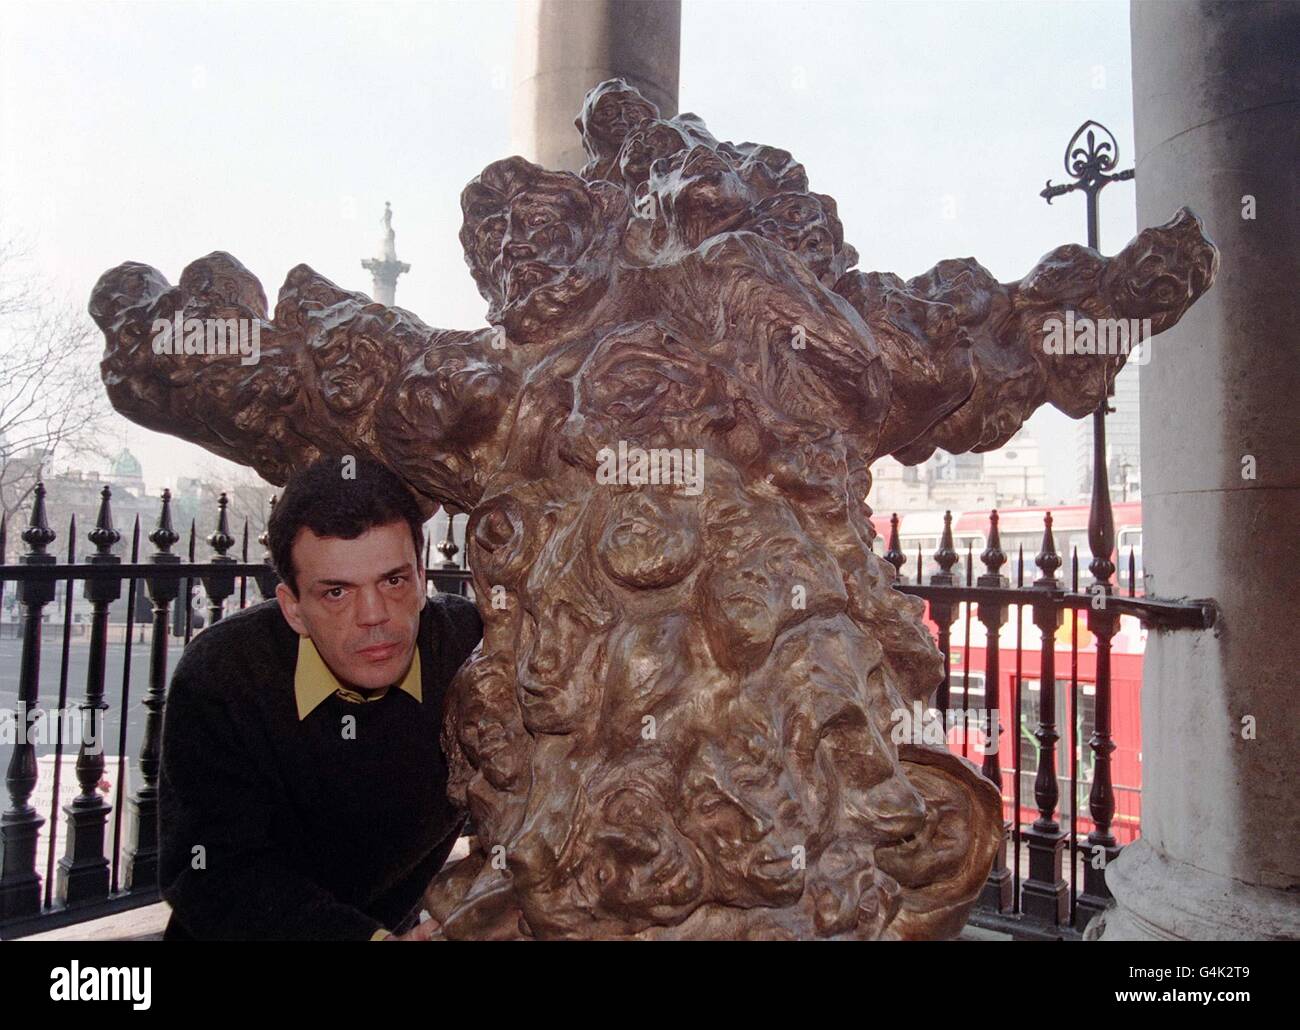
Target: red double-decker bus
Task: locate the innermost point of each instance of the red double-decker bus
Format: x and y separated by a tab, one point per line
1022	529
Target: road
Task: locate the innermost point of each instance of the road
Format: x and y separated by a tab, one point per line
78	664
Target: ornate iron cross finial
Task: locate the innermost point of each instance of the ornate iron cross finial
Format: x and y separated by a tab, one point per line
1089	157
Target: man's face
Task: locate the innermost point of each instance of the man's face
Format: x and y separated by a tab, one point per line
359	601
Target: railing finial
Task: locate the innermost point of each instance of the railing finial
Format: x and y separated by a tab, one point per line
946	556
38	535
448	547
164	536
894	555
993	557
104	536
220	540
1048	561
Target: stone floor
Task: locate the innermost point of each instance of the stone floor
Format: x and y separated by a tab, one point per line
139	924
146	924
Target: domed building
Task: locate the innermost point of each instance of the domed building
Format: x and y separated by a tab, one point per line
127	473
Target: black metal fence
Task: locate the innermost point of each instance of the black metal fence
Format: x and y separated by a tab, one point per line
98	851
1065	886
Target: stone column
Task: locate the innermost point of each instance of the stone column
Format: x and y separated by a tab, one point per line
384	268
564	47
1218	128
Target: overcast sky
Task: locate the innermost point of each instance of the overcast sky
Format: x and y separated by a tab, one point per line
160	132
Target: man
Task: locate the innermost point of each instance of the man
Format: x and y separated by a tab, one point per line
303	785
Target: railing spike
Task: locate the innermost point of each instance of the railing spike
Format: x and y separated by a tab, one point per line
946	556
894	553
448	547
1048	561
993	557
104	536
164	537
38	535
220	539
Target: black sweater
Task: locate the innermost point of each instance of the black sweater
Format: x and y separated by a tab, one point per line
297	830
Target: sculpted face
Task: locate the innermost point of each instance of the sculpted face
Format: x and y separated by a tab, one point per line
557	686
490	732
651	540
538	244
351	370
612	110
733	795
566	616
800	224
544	233
766	170
641	868
652	141
701	194
1161	272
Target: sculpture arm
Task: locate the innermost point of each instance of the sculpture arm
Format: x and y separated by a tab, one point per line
971	358
332	373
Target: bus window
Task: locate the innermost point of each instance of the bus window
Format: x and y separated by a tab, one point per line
958	683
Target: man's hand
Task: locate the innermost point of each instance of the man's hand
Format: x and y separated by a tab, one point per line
420	932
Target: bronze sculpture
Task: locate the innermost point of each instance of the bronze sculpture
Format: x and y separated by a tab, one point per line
679	723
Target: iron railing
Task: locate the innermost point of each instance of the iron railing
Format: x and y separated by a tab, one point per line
105	860
1042	904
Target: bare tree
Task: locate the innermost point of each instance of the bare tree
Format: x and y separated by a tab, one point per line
51	399
249	498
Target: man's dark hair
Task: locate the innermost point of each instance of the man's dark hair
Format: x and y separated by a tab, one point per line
323	500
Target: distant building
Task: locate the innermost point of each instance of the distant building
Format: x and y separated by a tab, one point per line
1017	472
1123	445
1011	476
127	473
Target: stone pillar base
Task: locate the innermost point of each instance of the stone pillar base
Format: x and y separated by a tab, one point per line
1160	898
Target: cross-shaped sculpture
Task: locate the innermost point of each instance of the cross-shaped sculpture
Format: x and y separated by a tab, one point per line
680	721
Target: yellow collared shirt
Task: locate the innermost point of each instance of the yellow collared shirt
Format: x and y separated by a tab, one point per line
314	681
